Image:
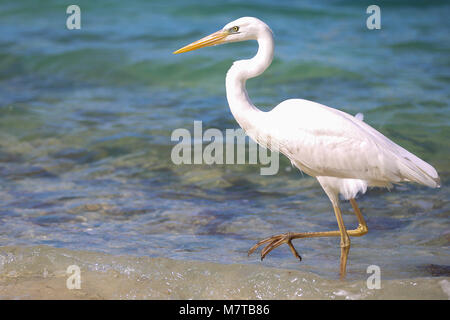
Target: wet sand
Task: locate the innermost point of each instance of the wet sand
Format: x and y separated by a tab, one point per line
40	273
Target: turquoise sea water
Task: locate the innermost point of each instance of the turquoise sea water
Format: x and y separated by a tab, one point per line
86	118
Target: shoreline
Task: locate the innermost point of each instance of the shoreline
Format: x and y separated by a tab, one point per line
39	272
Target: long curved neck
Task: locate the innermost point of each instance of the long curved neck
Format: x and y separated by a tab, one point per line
243	110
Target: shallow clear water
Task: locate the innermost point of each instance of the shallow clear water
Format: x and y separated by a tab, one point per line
86	118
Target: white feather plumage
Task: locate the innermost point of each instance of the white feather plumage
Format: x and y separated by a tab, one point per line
343	152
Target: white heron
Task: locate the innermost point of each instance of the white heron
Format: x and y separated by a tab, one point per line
345	154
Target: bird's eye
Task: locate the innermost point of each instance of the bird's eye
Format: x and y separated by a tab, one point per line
235	29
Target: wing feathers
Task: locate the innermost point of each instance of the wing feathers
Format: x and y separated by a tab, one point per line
323	141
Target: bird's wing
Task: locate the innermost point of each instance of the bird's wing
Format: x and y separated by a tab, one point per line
324	141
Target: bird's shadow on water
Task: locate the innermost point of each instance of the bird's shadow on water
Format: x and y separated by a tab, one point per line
434	270
217	219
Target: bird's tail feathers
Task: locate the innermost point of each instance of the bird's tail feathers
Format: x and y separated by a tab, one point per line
415	169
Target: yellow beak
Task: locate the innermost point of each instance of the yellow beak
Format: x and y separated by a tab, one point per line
211	40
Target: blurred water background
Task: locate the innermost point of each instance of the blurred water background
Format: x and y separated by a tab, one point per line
85	170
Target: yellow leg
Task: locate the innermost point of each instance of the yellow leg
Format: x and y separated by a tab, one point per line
277	240
362	227
345	241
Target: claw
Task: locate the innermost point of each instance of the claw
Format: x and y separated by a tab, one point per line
294	252
275	242
252	249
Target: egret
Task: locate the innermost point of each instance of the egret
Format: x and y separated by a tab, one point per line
344	153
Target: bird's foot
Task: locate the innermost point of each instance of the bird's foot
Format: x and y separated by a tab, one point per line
274	242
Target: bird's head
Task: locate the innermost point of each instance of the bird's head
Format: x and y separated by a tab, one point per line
242	29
